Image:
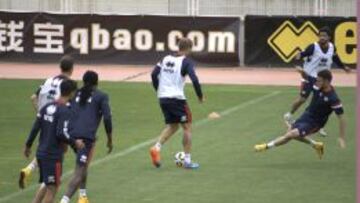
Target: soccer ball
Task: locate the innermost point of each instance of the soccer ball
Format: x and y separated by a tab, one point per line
179	159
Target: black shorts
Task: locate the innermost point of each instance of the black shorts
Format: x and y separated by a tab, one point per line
175	111
84	156
306	126
50	171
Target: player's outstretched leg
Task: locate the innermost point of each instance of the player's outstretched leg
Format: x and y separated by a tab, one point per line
278	141
292	134
188	163
25	173
169	130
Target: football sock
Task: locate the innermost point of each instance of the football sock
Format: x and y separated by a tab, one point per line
271	144
158	146
82	192
312	142
187	158
32	166
65	199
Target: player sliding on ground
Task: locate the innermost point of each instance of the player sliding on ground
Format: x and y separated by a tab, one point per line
318	56
90	106
323	103
168	78
53	123
46	93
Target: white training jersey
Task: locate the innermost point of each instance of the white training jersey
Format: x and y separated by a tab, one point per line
49	91
171	81
319	60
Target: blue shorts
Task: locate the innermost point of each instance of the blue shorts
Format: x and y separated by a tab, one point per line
84	156
175	111
307	86
306	126
50	171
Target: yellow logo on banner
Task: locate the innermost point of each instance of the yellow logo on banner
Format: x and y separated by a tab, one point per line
345	40
288	40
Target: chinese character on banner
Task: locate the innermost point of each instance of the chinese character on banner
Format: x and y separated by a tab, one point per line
15	36
11	36
48	38
3	37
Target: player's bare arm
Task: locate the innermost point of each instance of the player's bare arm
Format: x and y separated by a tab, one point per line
27	151
34	101
109	143
107	123
202	99
342	126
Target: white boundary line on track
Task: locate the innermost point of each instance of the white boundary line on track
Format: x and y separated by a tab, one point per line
147	143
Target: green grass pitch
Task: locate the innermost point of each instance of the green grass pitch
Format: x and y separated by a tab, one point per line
230	170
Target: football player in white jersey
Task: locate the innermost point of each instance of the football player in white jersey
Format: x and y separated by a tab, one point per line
168	78
317	56
46	93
